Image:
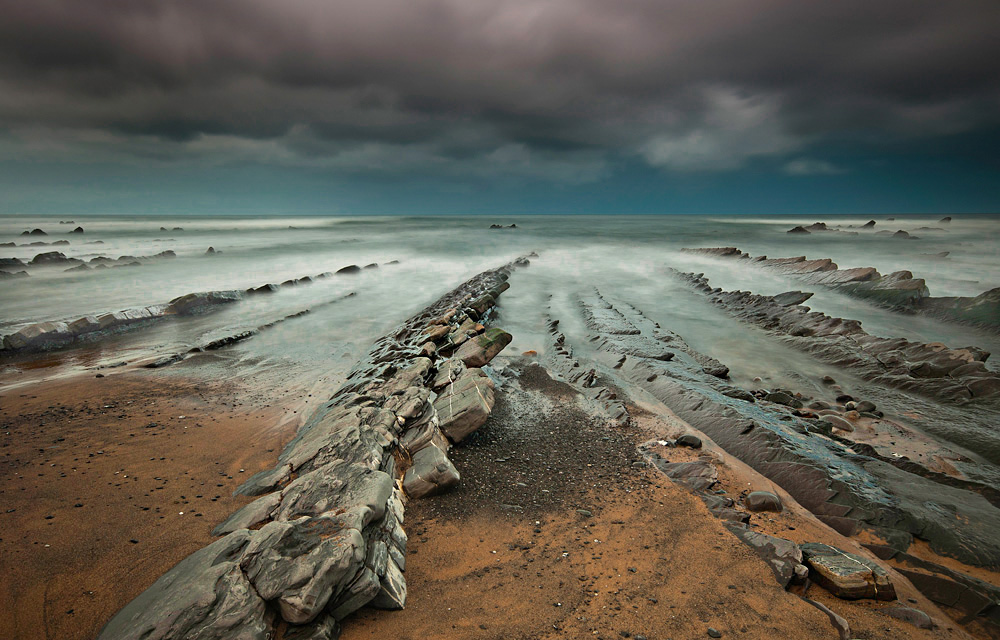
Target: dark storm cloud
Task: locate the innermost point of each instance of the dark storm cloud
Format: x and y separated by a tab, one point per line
512	85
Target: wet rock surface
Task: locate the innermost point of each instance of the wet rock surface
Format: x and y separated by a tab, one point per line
950	375
845	485
898	290
332	513
847	575
42	337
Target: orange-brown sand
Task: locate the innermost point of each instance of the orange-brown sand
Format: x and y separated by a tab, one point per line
104	486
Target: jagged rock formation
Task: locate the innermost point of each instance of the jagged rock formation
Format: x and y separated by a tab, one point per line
230	340
45	336
846	486
970	597
950	375
898	290
330	537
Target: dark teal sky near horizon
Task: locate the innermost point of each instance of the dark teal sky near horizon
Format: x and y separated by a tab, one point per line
516	107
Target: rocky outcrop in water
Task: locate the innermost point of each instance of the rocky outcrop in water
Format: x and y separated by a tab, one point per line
44	336
327	534
898	290
950	375
848	487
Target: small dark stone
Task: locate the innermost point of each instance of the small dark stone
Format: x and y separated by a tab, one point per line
842	398
763	501
134	541
780	397
714	633
688	440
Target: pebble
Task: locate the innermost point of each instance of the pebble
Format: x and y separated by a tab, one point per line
584	513
865	406
714	633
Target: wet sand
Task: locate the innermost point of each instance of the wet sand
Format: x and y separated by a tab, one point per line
556	530
106	483
508	554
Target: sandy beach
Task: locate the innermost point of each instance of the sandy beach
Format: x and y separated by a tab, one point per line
108	482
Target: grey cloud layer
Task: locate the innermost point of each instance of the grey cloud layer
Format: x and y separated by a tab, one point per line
557	87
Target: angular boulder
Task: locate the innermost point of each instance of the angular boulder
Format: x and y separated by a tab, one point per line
301	565
478	351
763	501
465	404
847	575
431	472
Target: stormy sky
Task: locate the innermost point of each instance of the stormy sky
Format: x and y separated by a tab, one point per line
520	106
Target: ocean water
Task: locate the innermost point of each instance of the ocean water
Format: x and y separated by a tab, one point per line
625	257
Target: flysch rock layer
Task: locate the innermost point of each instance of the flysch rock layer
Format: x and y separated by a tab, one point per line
898	290
934	370
326	537
849	487
47	336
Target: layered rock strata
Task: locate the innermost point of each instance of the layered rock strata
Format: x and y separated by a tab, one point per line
46	336
898	290
934	370
846	487
326	538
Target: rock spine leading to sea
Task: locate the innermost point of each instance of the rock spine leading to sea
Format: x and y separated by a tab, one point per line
326	538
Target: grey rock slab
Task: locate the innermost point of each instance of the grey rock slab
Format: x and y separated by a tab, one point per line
300	565
463	406
254	513
423	435
847	575
360	592
478	351
339	485
204	596
782	556
431	472
792	298
392	595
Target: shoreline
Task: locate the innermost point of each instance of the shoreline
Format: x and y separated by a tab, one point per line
598	463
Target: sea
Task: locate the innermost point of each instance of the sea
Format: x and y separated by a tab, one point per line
627	258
